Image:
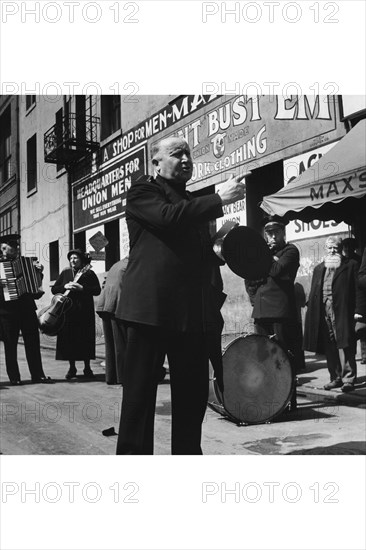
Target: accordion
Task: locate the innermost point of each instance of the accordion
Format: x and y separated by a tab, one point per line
20	277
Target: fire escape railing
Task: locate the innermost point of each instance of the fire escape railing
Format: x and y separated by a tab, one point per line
68	142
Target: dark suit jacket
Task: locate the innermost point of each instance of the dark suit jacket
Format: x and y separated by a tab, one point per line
275	297
362	272
169	278
344	293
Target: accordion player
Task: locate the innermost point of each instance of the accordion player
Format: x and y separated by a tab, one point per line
20	276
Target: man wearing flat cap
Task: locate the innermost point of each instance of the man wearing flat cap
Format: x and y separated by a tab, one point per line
273	298
19	315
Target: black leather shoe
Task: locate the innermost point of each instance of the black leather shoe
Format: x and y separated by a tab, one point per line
71	374
42	380
333	384
16	382
88	373
347	388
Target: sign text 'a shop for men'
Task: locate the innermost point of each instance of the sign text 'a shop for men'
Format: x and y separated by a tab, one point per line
172	114
102	196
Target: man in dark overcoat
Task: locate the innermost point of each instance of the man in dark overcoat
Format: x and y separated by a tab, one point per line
361	308
329	322
169	302
273	298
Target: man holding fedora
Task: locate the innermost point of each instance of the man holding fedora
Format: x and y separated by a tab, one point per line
273	298
19	315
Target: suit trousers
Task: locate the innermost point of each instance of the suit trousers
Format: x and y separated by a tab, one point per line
341	363
187	354
11	326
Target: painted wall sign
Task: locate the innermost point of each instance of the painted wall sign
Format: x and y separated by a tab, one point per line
297	229
243	133
182	107
102	197
234	212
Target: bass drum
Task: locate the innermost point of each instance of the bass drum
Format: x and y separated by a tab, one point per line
258	380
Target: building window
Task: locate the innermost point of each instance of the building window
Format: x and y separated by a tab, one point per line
30	100
32	163
5	222
5	146
54	260
110	115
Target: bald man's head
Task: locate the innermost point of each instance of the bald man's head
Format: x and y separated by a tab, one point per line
172	160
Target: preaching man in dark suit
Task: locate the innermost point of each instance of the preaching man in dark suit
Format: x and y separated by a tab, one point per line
169	301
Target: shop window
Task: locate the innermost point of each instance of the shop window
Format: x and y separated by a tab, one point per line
5	146
5	222
30	100
80	240
54	258
32	163
112	252
110	115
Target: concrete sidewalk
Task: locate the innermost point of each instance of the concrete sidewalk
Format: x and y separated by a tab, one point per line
310	383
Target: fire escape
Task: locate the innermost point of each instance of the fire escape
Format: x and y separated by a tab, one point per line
72	137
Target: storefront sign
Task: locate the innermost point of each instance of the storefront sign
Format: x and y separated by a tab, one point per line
163	119
243	133
102	197
292	168
234	212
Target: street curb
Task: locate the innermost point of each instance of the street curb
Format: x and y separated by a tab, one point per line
341	398
303	390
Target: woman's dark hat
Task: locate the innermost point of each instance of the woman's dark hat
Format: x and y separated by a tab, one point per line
84	256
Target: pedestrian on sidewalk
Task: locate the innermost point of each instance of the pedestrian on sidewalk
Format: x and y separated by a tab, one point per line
330	317
349	251
361	309
19	315
76	340
114	330
168	299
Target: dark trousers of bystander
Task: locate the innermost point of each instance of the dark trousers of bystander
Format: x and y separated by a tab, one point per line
286	334
115	348
188	366
10	328
341	363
